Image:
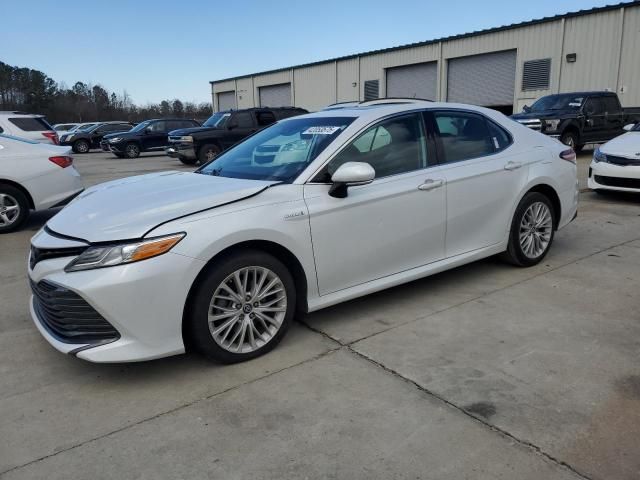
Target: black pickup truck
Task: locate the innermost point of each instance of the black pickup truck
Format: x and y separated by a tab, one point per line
579	118
221	131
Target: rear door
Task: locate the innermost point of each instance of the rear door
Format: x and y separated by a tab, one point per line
483	178
613	115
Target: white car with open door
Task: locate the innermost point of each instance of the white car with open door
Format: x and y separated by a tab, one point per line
221	260
33	176
616	164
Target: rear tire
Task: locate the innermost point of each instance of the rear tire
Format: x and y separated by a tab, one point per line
532	230
208	152
246	327
132	150
81	146
14	208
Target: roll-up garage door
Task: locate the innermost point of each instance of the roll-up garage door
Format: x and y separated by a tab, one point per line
226	101
413	81
488	79
275	95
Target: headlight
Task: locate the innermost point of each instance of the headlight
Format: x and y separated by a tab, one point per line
551	124
115	140
68	137
598	156
186	138
297	145
111	255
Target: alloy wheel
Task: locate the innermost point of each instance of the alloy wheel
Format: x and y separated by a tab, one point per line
132	151
211	154
247	309
83	147
536	228
9	210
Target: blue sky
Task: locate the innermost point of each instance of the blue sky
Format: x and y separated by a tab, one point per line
171	49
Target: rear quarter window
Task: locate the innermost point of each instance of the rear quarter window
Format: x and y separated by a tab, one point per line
31	124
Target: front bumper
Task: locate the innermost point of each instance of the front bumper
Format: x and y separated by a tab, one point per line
607	176
181	150
143	301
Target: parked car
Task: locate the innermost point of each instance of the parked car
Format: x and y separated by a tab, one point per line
64	127
616	164
75	127
221	131
84	140
28	126
147	136
33	176
579	118
221	259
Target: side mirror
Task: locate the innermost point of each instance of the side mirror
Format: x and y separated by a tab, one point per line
148	130
526	109
350	174
629	127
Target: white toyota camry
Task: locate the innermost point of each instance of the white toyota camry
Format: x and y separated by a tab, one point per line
221	260
616	164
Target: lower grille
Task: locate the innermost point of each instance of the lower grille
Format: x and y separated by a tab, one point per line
618	181
68	317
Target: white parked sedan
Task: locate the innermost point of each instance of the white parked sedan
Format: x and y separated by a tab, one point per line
222	259
616	164
33	176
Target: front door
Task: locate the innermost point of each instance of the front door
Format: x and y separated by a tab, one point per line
239	126
155	135
595	125
392	225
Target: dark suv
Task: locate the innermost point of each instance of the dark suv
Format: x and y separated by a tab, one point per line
221	131
81	141
147	136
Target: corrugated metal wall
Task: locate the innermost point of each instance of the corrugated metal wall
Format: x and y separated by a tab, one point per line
606	45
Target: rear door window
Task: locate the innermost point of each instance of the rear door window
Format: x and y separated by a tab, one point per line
265	118
30	124
463	136
243	120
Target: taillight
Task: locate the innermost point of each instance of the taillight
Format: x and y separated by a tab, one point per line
53	136
63	162
569	155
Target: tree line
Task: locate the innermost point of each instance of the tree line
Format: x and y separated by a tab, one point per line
32	91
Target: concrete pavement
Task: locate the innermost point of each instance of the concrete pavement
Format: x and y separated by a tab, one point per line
484	372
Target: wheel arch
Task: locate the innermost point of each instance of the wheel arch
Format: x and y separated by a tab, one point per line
280	252
549	192
4	181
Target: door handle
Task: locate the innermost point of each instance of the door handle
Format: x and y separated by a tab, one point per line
430	184
512	165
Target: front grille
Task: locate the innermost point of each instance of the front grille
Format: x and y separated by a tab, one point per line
618	181
39	254
623	161
68	317
532	124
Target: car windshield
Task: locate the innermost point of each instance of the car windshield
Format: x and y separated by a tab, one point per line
217	120
280	152
558	102
141	126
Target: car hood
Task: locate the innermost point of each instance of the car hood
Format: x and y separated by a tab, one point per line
627	145
129	208
189	131
545	114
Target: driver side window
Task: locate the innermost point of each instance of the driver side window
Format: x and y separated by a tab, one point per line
391	147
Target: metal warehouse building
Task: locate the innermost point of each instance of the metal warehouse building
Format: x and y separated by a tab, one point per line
504	68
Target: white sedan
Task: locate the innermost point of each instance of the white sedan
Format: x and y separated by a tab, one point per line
33	176
221	260
616	164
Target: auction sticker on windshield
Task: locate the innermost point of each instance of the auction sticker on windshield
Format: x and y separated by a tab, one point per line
321	130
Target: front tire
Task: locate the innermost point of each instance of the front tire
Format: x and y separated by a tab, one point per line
81	146
570	139
14	208
132	150
208	152
532	230
242	307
